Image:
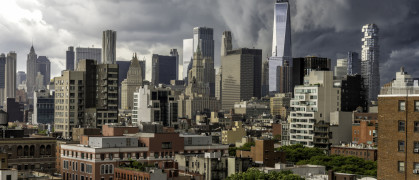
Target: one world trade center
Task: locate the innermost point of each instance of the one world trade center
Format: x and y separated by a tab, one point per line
280	63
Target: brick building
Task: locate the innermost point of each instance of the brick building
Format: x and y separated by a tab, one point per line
263	153
98	159
117	130
398	139
25	154
367	153
130	173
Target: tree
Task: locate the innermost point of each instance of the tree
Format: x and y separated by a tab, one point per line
253	173
344	164
297	152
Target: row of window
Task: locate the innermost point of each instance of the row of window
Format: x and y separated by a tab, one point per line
106	169
402	105
402	145
87	168
402	167
402	126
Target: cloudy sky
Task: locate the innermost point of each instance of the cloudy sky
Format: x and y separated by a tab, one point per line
327	28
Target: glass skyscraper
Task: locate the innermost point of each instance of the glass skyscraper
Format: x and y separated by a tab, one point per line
370	61
281	48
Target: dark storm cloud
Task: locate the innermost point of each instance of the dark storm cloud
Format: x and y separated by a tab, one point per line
326	28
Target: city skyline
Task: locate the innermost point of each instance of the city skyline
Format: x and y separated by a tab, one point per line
329	34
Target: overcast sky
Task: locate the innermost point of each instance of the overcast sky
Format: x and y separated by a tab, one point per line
327	28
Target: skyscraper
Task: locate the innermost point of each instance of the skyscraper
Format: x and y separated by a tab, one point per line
196	98
281	46
174	53
10	83
69	59
354	64
370	61
203	39
242	76
164	69
31	71
109	47
88	53
187	56
226	43
133	81
44	67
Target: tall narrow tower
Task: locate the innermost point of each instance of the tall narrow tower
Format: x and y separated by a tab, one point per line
109	47
31	71
281	47
69	59
10	78
370	61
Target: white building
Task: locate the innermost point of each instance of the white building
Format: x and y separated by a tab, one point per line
341	68
312	103
154	104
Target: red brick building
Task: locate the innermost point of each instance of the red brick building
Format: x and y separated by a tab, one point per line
367	153
365	128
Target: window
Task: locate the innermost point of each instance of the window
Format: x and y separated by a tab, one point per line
416	147
401	146
402	126
416	128
89	168
9	177
416	165
82	167
401	166
166	145
402	105
416	105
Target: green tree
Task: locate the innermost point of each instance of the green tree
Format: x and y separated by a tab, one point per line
254	173
298	152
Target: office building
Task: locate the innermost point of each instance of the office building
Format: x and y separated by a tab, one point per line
69	58
354	63
20	77
281	47
154	105
303	66
174	53
43	108
196	98
88	53
164	69
133	81
312	104
398	117
242	76
109	47
10	75
341	68
44	67
69	102
31	71
370	61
